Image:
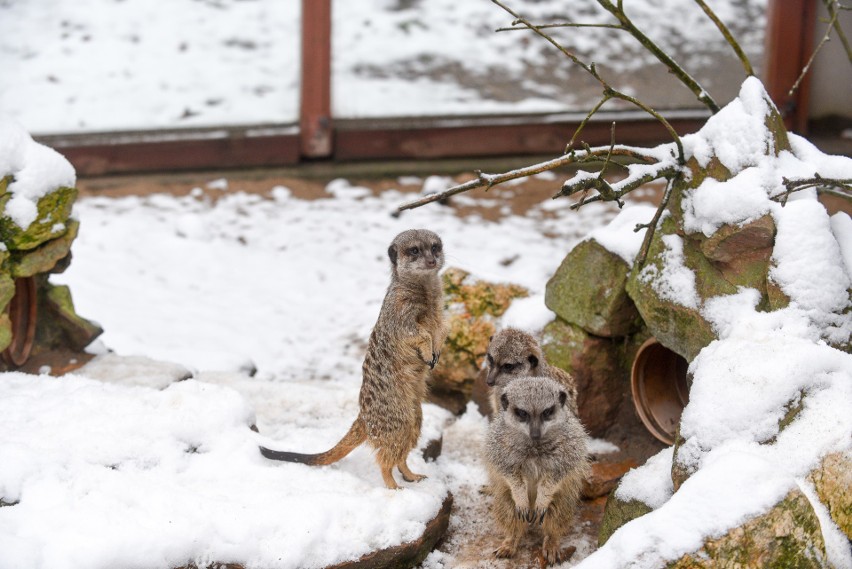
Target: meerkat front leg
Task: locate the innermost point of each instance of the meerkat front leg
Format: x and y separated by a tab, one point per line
544	497
520	496
407	474
422	344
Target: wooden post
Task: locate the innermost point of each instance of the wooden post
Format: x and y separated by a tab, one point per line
789	44
315	105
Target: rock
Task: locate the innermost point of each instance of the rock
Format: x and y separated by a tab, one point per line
833	482
408	554
53	209
678	327
742	253
134	371
44	258
58	325
788	535
604	478
472	308
617	513
5	332
588	289
598	367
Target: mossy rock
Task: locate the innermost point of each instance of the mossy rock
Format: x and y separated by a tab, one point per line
617	513
788	536
833	482
5	332
600	367
58	325
680	328
588	289
53	208
7	284
44	257
472	307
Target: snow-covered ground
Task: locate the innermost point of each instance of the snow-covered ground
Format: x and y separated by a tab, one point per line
95	65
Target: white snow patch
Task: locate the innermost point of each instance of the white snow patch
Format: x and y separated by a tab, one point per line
36	169
841	227
619	236
675	281
529	314
650	483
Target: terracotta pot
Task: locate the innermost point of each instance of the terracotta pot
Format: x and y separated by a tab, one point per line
660	389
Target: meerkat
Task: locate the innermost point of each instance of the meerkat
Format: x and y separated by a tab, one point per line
512	354
536	455
404	345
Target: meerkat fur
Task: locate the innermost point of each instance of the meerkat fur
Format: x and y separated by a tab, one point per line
536	456
512	354
404	345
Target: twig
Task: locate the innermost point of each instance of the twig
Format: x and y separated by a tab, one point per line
832	6
729	37
585	121
823	185
563	25
807	66
652	227
490	180
609	91
663	57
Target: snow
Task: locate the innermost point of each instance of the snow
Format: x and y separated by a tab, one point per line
770	398
528	314
675	281
96	65
36	170
841	226
110	475
620	236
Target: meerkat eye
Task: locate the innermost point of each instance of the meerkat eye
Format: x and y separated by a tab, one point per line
490	359
522	415
436	248
414	251
507	367
547	414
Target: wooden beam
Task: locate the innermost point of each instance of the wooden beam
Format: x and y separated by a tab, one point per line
315	110
788	45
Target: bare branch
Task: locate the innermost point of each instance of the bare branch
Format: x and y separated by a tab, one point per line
729	37
489	180
676	70
586	120
833	6
652	227
563	25
807	66
835	186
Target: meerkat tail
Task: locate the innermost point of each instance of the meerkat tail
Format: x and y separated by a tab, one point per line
356	435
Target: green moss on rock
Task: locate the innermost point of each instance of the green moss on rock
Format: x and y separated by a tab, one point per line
5	331
832	480
617	513
44	257
788	536
588	289
472	308
53	208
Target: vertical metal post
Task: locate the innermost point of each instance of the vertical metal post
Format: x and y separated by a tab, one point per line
789	44
315	106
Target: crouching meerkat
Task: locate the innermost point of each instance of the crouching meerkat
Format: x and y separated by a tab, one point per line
403	347
513	354
536	455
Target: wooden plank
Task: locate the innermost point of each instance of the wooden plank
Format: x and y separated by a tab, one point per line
354	140
119	153
315	119
788	46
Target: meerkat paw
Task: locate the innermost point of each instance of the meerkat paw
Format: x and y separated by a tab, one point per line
523	514
552	554
538	516
505	551
408	475
434	362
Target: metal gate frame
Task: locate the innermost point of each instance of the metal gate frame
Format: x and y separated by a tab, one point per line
319	136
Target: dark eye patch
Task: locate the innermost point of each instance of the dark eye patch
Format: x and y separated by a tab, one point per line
522	415
436	248
490	359
547	414
414	251
508	367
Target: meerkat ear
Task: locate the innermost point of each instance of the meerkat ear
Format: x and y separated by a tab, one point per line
563	397
392	254
533	361
490	338
504	401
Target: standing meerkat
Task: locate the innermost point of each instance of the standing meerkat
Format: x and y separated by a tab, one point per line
403	347
513	354
536	455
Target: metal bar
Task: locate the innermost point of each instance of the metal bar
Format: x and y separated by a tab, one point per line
788	45
315	106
